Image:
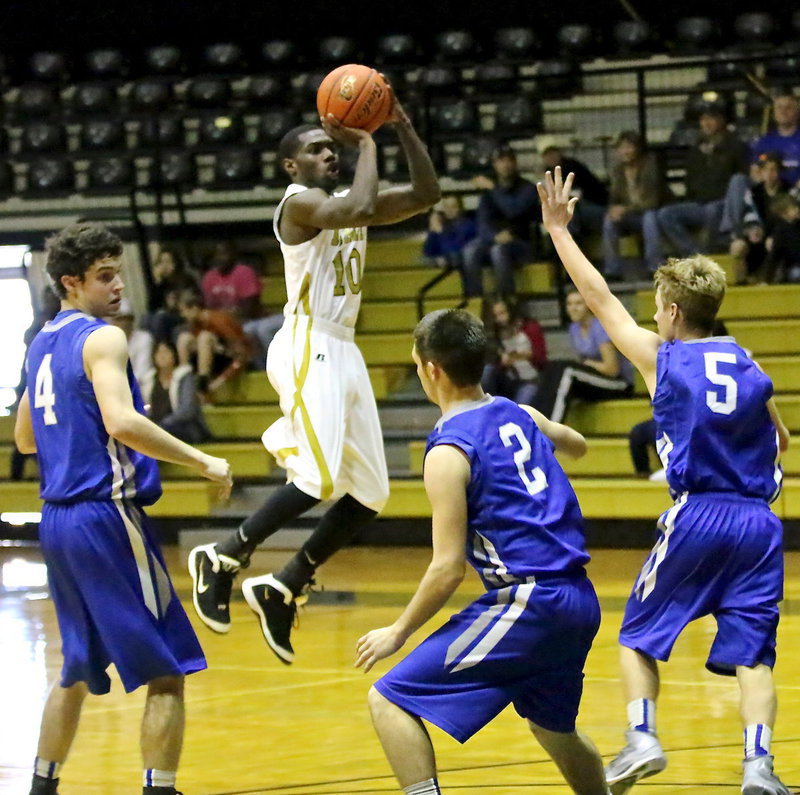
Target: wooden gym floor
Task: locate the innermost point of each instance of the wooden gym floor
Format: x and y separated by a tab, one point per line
257	726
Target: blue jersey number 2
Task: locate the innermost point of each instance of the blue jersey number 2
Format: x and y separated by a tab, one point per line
536	481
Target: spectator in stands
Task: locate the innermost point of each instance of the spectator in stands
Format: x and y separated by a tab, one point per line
592	207
637	190
230	285
749	246
508	216
214	339
783	140
600	372
140	341
450	228
170	390
171	276
711	162
783	261
512	373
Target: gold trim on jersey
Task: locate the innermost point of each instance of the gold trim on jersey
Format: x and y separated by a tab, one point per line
326	481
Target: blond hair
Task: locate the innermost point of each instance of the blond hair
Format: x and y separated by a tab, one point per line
697	285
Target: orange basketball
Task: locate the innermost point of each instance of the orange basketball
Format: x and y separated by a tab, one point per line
356	95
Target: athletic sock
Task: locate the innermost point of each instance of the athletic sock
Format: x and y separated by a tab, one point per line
158	781
297	572
642	715
429	787
285	504
45	777
757	739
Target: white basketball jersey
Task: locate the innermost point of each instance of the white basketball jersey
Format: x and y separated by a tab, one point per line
323	275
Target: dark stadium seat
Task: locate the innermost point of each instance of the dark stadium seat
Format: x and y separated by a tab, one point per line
94	98
475	157
558	77
576	41
218	129
396	48
3	140
695	35
111	173
236	168
456	46
50	175
454	116
49	67
224	58
521	114
107	64
151	94
755	28
208	92
439	79
164	130
265	91
495	77
164	60
279	53
108	133
723	72
43	136
336	50
632	36
311	82
516	44
36	99
7	180
274	124
783	63
175	170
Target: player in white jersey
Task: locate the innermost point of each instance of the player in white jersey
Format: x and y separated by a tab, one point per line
329	438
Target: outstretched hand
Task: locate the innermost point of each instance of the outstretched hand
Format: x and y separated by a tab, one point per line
345	136
557	206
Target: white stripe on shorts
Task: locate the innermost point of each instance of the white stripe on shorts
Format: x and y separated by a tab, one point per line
647	577
499	630
117	476
150	586
461	643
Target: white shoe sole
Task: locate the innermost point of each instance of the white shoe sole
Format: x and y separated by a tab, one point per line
636	772
287	658
216	626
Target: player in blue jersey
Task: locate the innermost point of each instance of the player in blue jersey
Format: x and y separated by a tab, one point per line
719	550
82	415
501	500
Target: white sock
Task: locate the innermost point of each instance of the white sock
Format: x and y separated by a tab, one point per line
429	787
642	715
757	739
159	778
46	769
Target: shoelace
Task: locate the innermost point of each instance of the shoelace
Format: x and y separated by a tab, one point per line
302	598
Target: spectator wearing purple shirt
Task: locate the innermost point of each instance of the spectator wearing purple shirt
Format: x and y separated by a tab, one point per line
600	372
507	216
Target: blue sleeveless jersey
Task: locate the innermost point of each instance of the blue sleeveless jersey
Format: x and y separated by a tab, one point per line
714	430
78	460
523	516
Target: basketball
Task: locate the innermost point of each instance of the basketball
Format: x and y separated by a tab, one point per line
356	95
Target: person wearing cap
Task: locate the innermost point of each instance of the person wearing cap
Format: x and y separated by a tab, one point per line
637	190
711	163
508	217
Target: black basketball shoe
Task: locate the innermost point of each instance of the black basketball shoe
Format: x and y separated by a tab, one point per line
276	608
212	581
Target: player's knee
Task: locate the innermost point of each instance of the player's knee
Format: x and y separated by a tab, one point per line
378	704
166	685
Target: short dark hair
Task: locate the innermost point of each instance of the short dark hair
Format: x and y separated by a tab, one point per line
73	250
771	157
630	137
190	297
455	340
290	142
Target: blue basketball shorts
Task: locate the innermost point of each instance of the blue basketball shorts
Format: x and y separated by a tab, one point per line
113	599
719	555
524	645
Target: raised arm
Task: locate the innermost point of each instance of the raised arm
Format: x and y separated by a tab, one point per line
637	344
397	204
446	477
566	440
105	359
780	427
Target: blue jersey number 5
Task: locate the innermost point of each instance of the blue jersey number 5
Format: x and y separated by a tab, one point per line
727	404
536	481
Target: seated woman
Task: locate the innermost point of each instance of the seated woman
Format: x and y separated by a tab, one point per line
512	373
600	372
170	391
